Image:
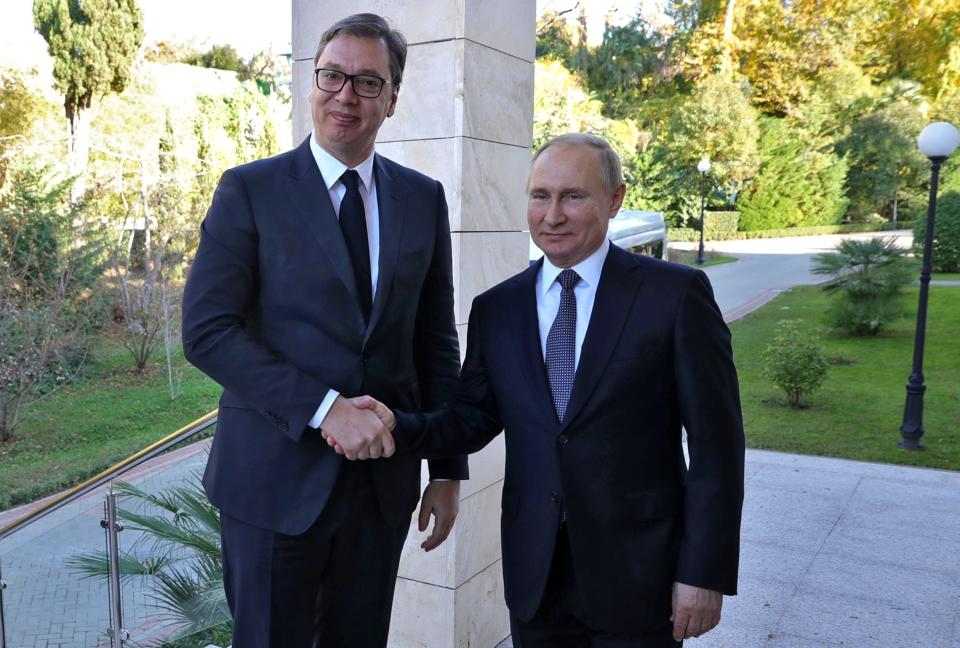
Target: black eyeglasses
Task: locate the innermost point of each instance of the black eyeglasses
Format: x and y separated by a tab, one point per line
364	85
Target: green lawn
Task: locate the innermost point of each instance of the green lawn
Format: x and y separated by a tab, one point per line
949	276
689	257
857	412
96	421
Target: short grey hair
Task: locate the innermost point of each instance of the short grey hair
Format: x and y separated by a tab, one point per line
611	173
368	25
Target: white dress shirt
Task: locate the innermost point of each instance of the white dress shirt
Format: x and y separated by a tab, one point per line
548	295
331	169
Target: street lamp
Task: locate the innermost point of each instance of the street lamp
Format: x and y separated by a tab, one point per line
703	166
937	142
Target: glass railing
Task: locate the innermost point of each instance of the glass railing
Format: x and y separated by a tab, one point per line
55	559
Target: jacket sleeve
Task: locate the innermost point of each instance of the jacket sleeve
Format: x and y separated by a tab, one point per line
709	400
470	419
436	347
222	288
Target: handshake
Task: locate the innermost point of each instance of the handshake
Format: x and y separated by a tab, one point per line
360	428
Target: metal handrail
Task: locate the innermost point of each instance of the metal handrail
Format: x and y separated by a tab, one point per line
112	472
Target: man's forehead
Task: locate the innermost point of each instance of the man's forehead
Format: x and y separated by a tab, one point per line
343	49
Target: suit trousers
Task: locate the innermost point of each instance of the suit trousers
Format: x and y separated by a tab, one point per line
330	586
559	621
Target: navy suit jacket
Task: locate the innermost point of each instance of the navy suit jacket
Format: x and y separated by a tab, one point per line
270	312
656	358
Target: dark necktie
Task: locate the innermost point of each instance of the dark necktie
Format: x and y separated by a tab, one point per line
561	356
353	224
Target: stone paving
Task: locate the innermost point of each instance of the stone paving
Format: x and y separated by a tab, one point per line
46	604
844	553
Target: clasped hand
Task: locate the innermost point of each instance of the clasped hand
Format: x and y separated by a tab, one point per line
359	428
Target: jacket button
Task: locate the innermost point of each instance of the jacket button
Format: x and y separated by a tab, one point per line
555	497
562	439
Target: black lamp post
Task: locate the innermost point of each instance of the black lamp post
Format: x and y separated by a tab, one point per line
937	142
703	167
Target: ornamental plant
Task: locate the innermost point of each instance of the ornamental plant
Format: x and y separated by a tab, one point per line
794	361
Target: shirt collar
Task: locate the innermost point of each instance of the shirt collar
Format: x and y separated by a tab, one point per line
589	269
331	168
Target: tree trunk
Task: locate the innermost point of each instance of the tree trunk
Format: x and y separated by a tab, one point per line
78	147
726	61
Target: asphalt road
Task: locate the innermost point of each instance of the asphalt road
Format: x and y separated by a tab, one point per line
765	267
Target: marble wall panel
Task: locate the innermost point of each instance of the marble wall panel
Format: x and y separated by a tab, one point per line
481	611
494	178
438	158
483	260
477	536
421	616
497	96
503	25
420	21
302	82
431	96
486	468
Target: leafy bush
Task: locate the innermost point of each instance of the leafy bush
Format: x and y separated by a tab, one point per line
691	234
794	361
946	234
869	275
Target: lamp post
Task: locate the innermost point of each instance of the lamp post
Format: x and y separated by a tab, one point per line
937	141
703	167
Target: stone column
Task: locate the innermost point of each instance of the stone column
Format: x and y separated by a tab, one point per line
465	117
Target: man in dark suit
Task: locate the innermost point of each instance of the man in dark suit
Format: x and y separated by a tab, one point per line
324	272
592	361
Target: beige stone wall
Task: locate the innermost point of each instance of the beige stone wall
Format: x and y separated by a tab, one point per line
465	117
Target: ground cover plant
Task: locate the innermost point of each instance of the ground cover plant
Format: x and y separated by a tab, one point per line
857	412
97	420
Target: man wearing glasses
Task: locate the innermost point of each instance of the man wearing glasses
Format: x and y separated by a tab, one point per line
324	273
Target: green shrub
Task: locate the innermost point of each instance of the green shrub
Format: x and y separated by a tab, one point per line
794	361
690	234
868	275
946	234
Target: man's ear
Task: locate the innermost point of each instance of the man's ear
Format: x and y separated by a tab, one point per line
617	200
393	101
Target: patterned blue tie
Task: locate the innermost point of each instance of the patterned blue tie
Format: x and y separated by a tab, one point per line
561	356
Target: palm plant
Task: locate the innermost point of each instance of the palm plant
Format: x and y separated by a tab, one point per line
869	275
184	563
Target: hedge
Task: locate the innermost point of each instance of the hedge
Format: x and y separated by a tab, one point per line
682	234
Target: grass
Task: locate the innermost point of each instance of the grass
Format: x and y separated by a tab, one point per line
98	420
948	276
689	257
857	412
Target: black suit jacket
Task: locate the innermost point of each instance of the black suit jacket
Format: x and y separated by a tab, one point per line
656	357
270	312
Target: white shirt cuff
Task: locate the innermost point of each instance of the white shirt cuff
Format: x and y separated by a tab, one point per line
324	408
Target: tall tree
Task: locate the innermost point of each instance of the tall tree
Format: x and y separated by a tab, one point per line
93	44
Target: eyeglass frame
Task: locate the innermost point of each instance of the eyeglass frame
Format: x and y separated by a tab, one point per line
352	79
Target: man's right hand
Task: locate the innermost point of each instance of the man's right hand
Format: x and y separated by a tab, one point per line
356	433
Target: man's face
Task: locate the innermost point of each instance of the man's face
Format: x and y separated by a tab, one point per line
568	208
346	125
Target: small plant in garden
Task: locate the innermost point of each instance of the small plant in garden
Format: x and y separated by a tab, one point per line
794	361
868	278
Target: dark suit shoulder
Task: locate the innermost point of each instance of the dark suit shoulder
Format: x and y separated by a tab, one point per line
264	166
653	268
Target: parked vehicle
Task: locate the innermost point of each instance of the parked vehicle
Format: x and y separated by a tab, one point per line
643	232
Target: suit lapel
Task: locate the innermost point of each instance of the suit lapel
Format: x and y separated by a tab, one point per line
308	191
390	203
529	349
614	299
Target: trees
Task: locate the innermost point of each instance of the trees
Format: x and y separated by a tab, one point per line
796	184
93	44
48	271
886	168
